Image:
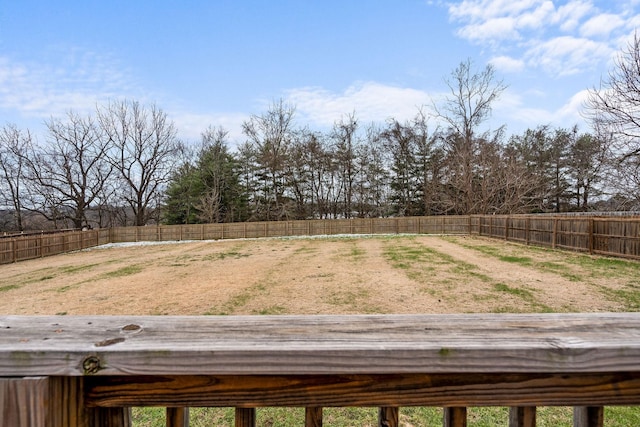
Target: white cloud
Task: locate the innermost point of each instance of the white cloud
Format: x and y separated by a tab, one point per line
561	38
491	21
474	10
568	16
524	111
41	90
370	101
492	30
507	64
567	55
601	25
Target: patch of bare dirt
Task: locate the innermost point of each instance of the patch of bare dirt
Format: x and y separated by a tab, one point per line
393	274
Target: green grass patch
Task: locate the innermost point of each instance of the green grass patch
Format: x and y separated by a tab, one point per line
526	295
77	268
239	300
274	309
8	288
547	416
521	260
122	272
628	297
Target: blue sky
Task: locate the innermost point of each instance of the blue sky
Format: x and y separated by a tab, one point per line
217	62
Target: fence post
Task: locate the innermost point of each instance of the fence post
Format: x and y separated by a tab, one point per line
506	228
14	250
555	232
591	243
527	231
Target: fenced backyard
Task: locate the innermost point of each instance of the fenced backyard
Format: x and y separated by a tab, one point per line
606	235
84	370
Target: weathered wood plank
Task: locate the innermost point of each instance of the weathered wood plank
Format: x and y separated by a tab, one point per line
367	390
24	402
375	344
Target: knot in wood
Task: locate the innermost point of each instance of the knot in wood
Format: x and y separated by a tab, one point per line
132	328
91	365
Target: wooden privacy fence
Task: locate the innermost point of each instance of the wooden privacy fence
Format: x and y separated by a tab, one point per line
87	371
26	247
611	235
607	235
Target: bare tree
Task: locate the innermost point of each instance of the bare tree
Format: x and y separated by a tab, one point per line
271	135
463	111
615	106
14	145
70	171
144	149
345	140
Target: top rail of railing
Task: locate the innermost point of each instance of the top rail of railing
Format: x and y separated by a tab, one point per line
319	344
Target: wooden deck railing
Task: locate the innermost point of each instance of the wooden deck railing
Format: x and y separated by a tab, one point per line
58	371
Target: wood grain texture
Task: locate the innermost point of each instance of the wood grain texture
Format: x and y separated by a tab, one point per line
367	390
522	416
588	416
313	416
245	417
67	407
24	402
388	416
363	344
454	417
177	417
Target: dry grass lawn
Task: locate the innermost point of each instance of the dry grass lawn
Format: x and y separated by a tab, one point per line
379	274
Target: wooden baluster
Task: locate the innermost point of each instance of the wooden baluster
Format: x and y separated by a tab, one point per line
522	416
588	416
245	417
23	401
177	417
313	416
455	417
388	416
110	417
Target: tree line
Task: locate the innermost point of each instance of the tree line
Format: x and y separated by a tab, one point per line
124	164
